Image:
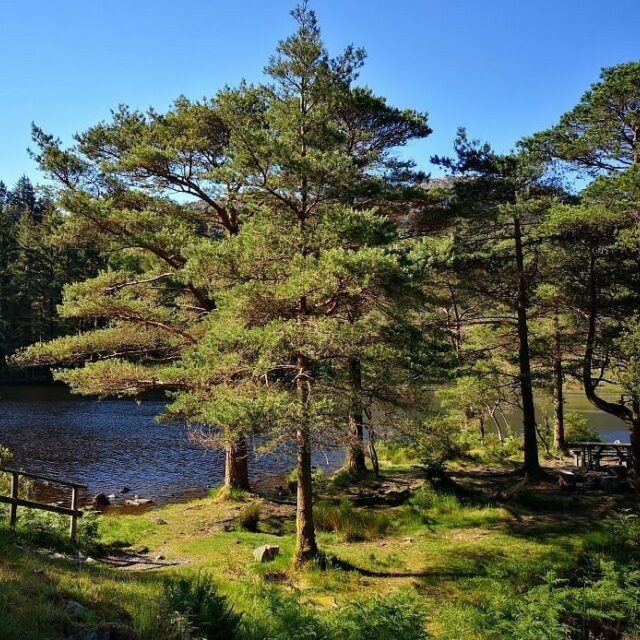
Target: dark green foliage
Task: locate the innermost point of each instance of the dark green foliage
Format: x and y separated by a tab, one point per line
194	609
35	264
51	530
384	618
393	617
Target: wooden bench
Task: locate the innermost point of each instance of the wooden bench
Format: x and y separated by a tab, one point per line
590	454
14	501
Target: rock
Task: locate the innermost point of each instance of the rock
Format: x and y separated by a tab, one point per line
159	558
90	560
159	521
132	503
112	496
125	489
74	608
266	552
101	500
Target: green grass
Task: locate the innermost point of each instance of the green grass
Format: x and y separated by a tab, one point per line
447	561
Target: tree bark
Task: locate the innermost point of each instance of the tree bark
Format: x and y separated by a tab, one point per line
531	461
630	416
559	443
306	546
357	463
236	468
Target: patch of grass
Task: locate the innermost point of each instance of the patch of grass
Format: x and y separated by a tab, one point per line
351	524
51	530
471	569
249	517
228	494
445	510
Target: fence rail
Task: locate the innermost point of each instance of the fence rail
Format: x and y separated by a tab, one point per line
14	501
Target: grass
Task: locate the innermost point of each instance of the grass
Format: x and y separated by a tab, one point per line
436	557
350	524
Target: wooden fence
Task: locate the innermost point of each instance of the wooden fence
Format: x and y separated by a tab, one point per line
14	501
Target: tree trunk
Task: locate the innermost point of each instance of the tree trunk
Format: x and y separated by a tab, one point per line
236	468
357	464
306	546
634	439
492	413
631	417
531	461
559	443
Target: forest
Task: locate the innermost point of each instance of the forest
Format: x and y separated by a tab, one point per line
34	267
271	263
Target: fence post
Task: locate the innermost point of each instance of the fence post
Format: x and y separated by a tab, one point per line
74	519
13	510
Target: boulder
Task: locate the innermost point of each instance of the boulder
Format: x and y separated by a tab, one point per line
101	500
266	552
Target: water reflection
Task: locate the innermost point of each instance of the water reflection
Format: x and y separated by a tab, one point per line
110	444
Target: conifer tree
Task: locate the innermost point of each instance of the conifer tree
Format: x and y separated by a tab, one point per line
253	304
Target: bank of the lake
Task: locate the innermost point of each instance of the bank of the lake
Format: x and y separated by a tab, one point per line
115	443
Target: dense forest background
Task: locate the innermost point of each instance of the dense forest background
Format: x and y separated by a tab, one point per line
35	264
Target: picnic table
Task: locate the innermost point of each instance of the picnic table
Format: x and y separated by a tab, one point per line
590	455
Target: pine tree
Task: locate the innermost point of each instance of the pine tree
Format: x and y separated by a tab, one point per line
254	304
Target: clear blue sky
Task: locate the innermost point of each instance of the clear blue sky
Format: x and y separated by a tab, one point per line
503	68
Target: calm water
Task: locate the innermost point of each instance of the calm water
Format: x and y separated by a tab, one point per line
110	444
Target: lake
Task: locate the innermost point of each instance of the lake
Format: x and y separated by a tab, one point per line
110	444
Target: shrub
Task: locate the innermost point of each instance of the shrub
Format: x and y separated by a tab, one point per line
282	617
577	429
385	618
351	525
42	528
193	609
249	518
